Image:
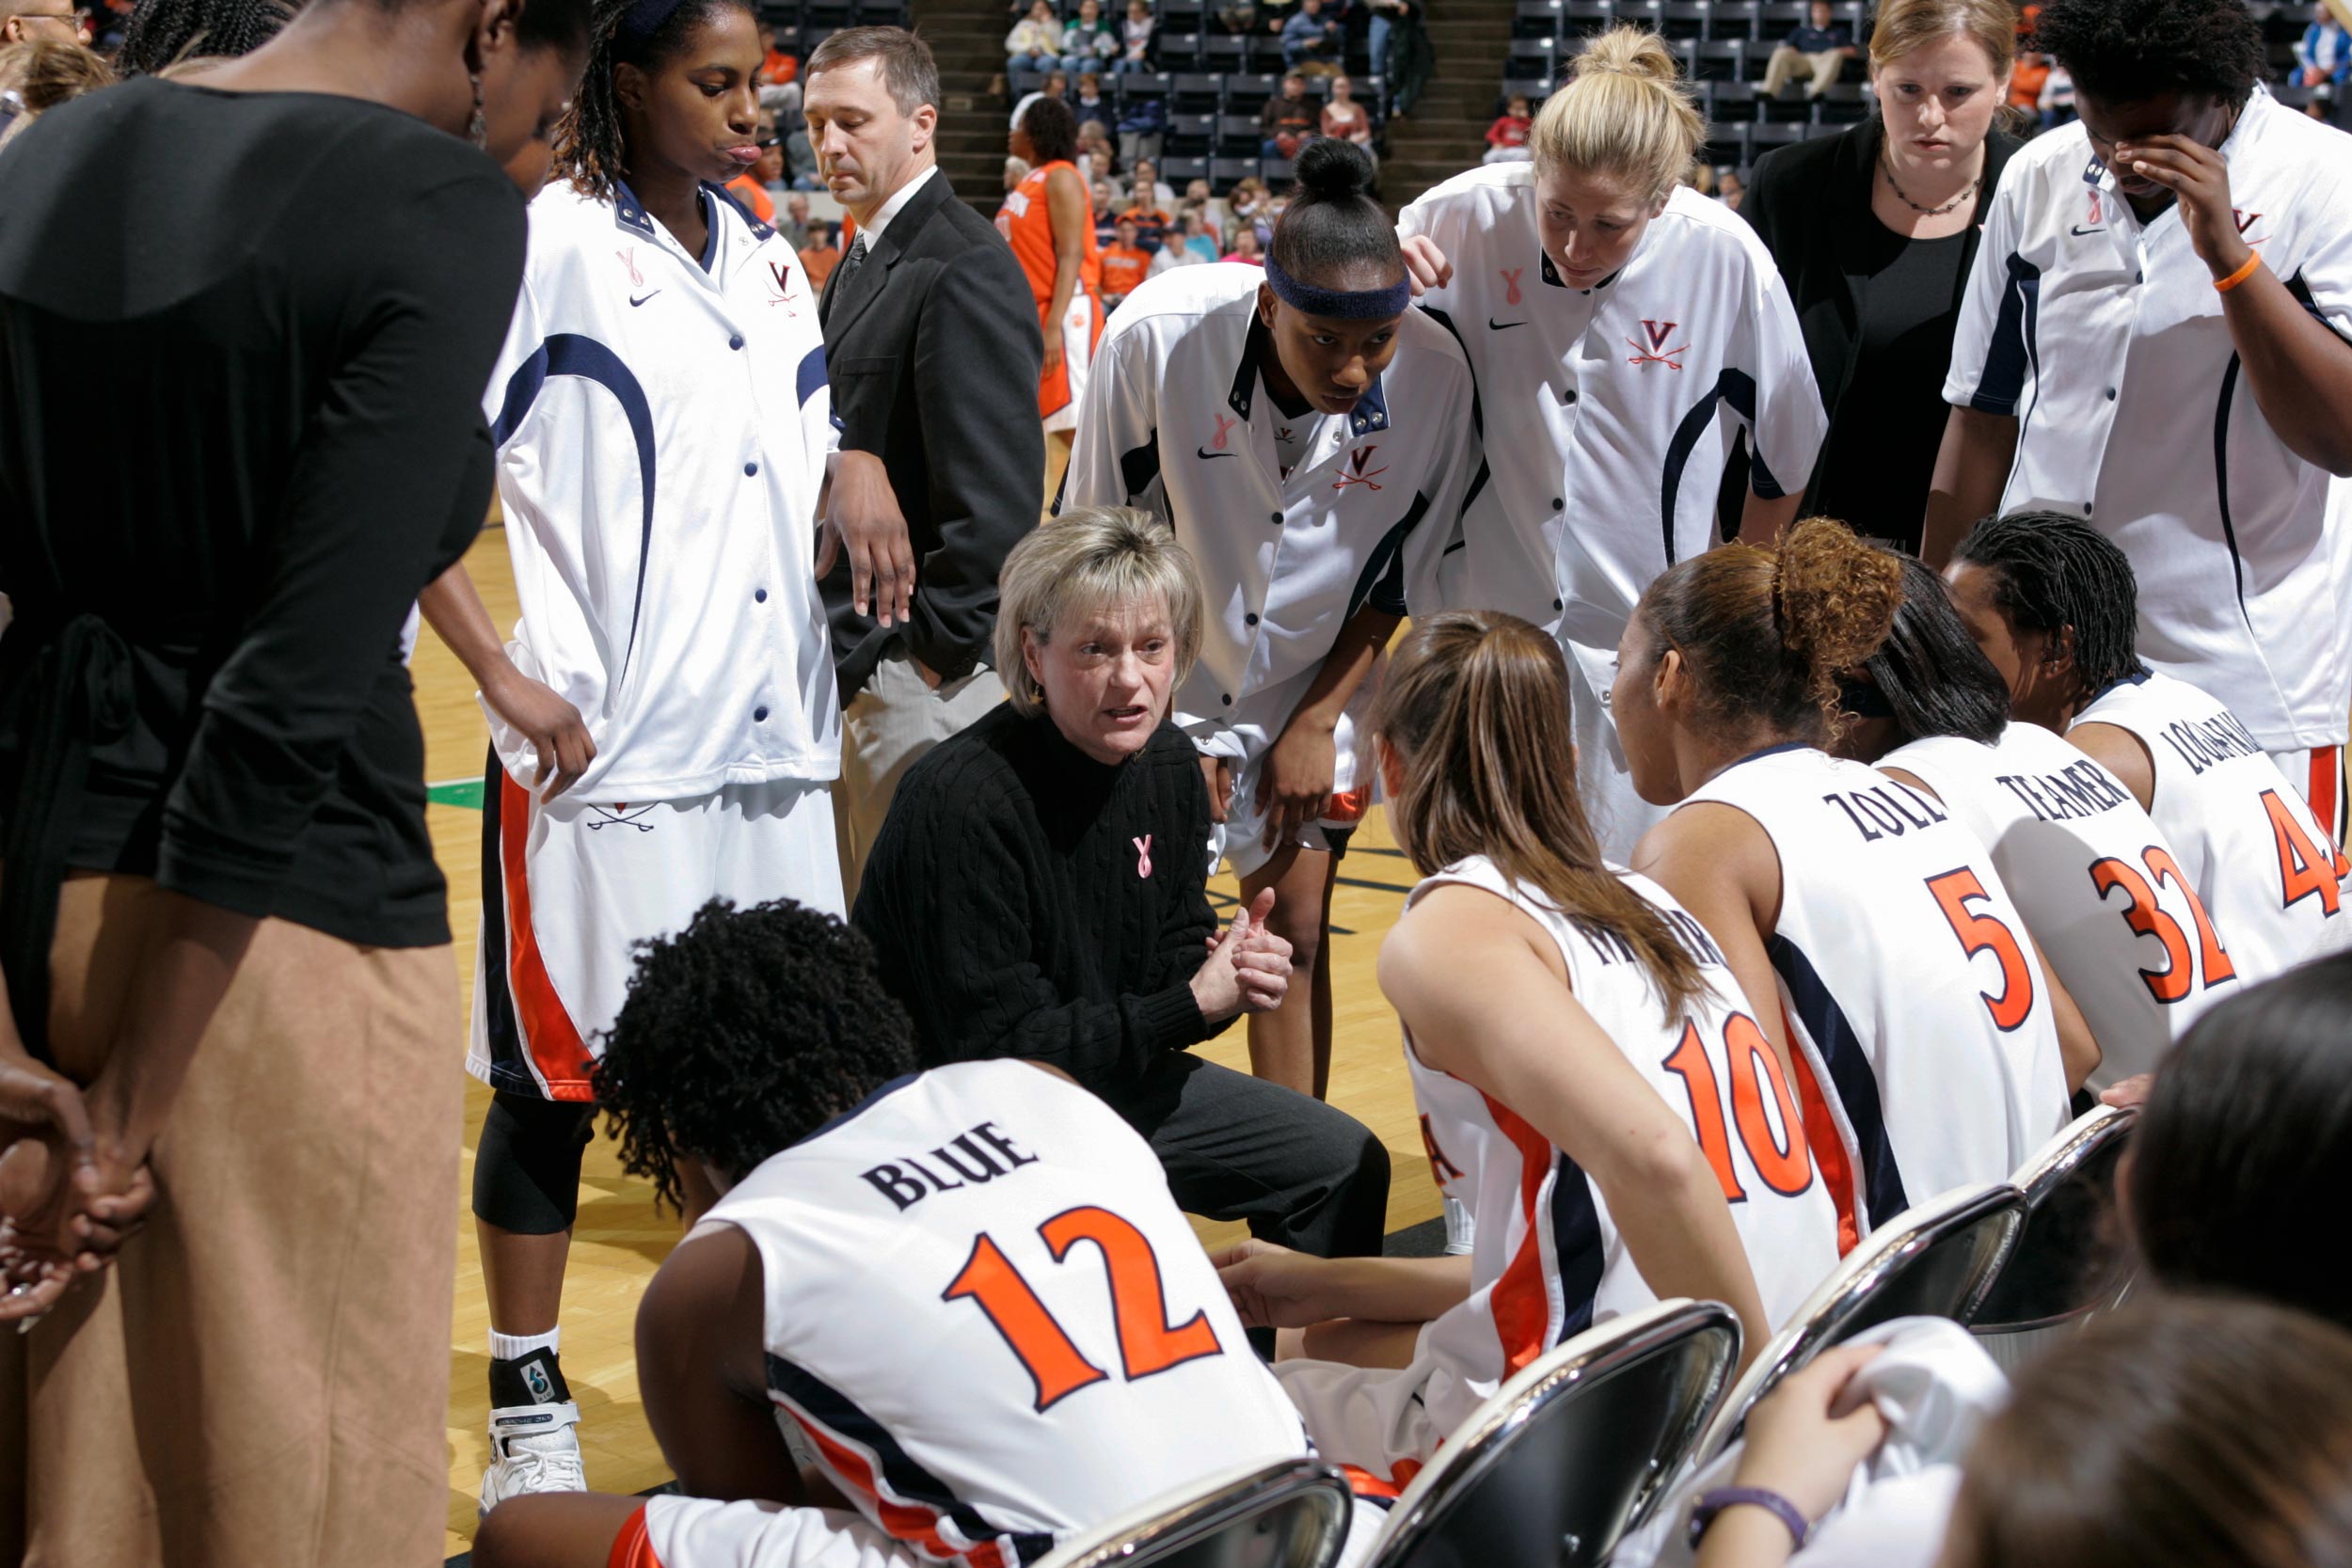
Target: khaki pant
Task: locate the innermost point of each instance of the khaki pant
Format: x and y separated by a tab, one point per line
885	730
1786	64
262	1377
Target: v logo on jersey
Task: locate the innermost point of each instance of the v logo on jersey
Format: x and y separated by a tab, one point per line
2247	220
1510	283
1357	459
1143	855
628	259
1658	353
1217	448
783	276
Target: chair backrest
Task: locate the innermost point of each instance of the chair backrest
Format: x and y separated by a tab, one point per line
1934	1259
1291	1514
2068	1261
1571	1452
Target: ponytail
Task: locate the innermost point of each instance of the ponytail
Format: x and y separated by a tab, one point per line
1477	705
1626	113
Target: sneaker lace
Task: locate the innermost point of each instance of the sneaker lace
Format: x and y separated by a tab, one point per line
550	1462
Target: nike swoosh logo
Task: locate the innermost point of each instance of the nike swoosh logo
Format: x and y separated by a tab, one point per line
1494	326
2080	230
1203	451
640	299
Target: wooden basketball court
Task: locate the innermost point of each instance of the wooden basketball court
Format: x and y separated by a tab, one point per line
620	1239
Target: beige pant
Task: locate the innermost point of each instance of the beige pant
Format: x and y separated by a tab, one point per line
885	730
1786	63
261	1378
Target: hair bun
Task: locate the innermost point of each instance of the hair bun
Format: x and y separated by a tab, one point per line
1835	594
1330	169
1628	52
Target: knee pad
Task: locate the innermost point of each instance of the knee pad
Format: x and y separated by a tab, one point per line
526	1173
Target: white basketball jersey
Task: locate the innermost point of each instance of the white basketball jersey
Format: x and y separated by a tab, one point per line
2271	876
989	1319
2099	884
1908	986
1547	1260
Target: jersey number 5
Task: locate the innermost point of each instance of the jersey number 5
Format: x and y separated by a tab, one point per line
1147	1343
2177	978
1954	891
1787	1171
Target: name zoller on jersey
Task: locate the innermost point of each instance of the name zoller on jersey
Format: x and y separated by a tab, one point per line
908	1181
1890	806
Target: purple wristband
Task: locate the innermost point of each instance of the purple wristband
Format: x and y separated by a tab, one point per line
1711	1503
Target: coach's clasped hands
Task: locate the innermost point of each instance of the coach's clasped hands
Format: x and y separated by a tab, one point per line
67	1201
1248	969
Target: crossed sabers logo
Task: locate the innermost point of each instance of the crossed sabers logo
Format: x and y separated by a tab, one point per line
1659	353
783	276
628	259
1511	283
1357	459
619	816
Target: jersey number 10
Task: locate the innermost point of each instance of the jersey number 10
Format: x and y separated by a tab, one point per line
1787	1171
1148	1342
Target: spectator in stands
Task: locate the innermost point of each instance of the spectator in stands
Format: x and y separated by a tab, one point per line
1142	124
1405	70
1176	250
779	80
1822	46
1197	192
1200	234
1104	204
1016	170
1874	231
44	72
1245	245
1506	139
1087	100
1147	189
800	160
821	254
1312	41
1035	42
56	21
1125	263
2056	103
1057	85
1288	120
751	186
1091	38
1152	225
795	224
1135	51
1096	161
1346	119
1729	188
2024	81
2324	57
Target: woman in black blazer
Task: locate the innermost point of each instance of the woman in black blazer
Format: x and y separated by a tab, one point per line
1874	231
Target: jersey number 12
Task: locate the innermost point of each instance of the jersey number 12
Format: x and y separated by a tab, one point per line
1148	1342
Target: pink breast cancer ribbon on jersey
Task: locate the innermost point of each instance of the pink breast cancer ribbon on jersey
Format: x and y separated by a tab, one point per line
1143	855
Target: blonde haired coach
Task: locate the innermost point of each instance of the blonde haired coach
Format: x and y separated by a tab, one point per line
1622	328
1038	891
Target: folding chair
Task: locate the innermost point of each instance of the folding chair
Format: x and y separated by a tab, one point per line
1571	1452
2066	1264
1535	19
1934	1259
1292	1515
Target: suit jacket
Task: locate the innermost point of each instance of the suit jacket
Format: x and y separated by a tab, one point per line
1810	202
932	350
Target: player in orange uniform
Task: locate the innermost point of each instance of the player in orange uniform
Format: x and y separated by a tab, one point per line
1050	225
1125	264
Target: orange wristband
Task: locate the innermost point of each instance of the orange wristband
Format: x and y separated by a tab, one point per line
2223	285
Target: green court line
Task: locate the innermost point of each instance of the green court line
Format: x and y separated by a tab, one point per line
465	794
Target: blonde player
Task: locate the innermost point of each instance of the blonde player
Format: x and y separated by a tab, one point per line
1623	329
2157	338
1309	439
1049	222
2098	883
1592	1085
662	426
1926	1030
938	1318
2053	602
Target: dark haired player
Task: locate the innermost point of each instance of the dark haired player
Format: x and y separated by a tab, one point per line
2154	340
962	1299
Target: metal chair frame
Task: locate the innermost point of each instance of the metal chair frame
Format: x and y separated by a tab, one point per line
2095	1136
1170	1525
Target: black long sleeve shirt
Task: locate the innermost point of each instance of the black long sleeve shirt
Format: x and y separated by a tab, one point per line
244	339
1026	900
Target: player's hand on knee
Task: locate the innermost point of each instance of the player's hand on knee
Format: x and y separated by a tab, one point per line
873	530
1271	1286
1294	785
553	725
1425	266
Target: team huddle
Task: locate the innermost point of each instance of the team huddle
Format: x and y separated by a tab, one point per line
1769	887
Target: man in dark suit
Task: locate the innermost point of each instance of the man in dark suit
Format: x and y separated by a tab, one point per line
931	346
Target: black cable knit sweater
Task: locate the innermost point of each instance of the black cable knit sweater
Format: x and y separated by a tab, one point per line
1029	901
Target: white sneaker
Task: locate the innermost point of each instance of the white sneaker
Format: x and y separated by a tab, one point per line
532	1449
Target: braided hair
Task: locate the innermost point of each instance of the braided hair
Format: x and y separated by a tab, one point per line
590	149
2051	573
161	33
743	1034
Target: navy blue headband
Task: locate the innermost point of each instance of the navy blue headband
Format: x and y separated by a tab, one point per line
1338	304
644	19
